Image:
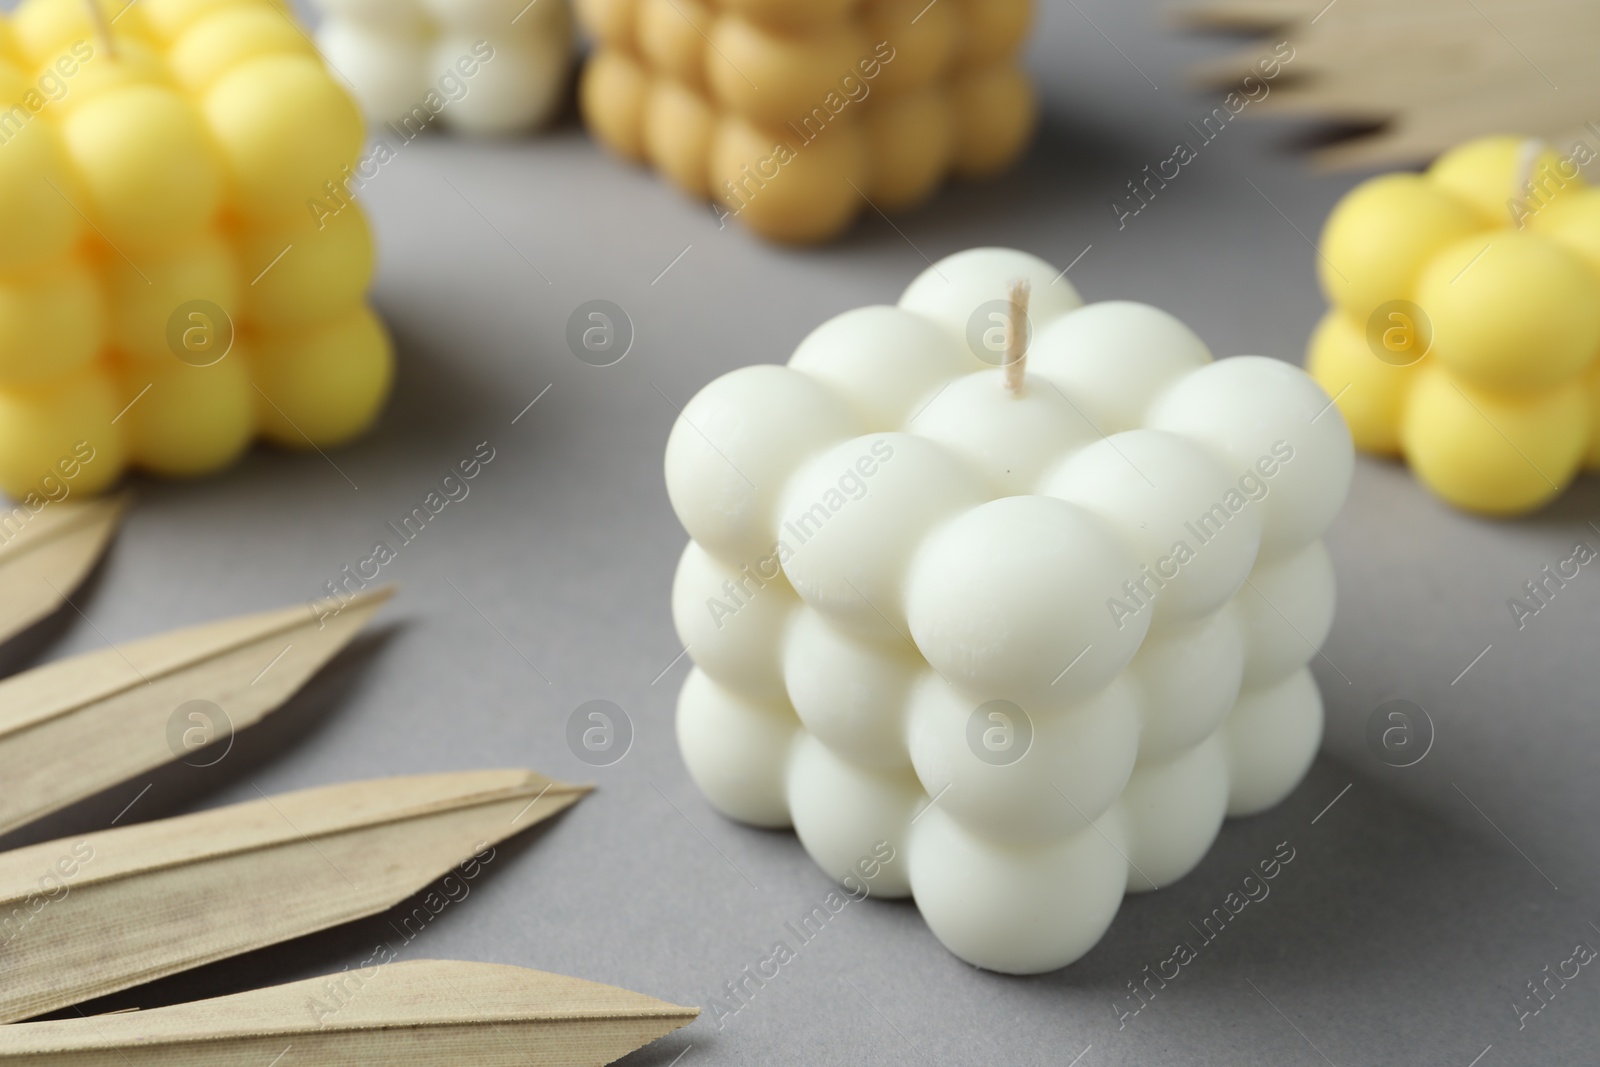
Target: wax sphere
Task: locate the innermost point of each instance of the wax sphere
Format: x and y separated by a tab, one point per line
1372	392
924	40
167	19
737	750
790	15
215	44
1381	236
34	182
150	169
678	128
480	67
795	117
1492	172
1016	910
1008	438
799	197
324	386
389	71
851	694
974	285
192	420
1113	358
1271	738
886	362
1517	291
852	515
1193	530
522	87
996	110
306	270
613	94
1075	766
1277	637
736	617
1005	599
1173	811
144	299
276	160
1574	222
51	323
993	30
611	21
47	28
1499	453
913	140
845	814
1269	424
135	63
936	614
673	35
773	79
65	420
1187	678
736	442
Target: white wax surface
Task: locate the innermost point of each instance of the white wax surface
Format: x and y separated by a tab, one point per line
902	568
489	67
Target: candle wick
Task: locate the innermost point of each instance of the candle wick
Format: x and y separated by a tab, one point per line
102	28
1527	158
1016	357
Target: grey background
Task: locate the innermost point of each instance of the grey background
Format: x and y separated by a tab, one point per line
1399	934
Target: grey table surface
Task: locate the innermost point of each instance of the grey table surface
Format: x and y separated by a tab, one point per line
1417	906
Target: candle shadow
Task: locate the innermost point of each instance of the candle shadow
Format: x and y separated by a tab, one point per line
1377	883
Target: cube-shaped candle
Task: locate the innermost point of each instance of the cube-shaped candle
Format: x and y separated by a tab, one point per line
1464	331
1031	616
495	67
794	116
181	264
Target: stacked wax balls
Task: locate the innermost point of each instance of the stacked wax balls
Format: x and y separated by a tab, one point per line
1032	642
1465	325
165	291
477	66
794	115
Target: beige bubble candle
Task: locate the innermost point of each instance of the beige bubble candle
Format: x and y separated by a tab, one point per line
793	116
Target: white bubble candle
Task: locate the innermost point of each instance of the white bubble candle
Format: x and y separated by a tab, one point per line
1039	626
491	67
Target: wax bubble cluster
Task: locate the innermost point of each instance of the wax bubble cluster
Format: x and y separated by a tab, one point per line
1464	331
794	115
1039	640
166	294
476	66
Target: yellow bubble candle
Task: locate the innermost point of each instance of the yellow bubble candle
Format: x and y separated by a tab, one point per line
793	116
173	281
1465	321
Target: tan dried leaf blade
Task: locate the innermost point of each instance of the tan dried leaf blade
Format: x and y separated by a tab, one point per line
420	1013
75	727
83	917
1434	72
46	556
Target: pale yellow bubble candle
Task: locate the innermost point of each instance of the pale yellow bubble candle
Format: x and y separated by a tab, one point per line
173	279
